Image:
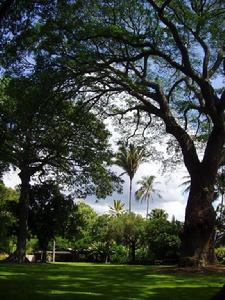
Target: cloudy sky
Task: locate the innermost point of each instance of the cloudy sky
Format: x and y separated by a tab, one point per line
172	199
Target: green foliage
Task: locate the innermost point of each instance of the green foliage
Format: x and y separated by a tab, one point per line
117	208
129	159
49	211
8	221
163	238
119	254
81	233
46	133
220	254
220	226
32	246
62	244
158	213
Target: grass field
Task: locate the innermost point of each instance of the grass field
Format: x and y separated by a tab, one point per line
67	281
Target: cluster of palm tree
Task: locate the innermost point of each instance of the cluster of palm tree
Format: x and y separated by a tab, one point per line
129	159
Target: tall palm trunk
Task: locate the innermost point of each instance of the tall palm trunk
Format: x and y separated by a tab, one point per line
147	209
130	195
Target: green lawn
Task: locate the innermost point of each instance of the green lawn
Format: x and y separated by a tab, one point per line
67	281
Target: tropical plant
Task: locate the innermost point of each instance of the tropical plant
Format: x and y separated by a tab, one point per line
129	159
146	190
118	208
158	213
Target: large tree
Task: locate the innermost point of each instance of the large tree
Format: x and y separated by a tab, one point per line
167	55
47	135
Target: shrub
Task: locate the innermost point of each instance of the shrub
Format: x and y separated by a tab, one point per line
3	256
220	254
119	254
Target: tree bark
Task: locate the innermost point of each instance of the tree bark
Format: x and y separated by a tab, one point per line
198	235
20	254
44	254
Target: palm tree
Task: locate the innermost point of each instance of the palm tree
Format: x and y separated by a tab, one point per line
129	159
118	208
144	193
159	213
186	184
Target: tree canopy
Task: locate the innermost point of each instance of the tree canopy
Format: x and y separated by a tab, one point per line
162	60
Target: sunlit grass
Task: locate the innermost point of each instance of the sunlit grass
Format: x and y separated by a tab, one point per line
67	281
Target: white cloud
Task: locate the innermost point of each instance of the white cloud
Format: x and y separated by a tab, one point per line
11	178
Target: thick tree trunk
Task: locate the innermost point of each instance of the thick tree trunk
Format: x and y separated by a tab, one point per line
44	254
199	229
20	254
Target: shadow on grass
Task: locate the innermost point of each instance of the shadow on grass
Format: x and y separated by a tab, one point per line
98	281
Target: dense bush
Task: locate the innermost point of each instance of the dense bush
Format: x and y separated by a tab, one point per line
163	238
119	254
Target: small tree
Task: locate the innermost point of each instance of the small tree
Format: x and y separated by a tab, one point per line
129	229
49	212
